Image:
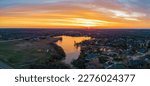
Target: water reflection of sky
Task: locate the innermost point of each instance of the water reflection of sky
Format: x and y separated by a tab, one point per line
68	44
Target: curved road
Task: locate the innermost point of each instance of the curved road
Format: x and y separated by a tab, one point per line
4	65
10	40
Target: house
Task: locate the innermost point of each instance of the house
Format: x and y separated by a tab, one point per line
142	50
136	64
108	63
91	56
147	58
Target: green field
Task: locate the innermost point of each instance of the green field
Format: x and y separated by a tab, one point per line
28	54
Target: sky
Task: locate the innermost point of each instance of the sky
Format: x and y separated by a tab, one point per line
74	14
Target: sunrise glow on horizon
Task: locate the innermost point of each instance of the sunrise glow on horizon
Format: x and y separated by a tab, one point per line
74	14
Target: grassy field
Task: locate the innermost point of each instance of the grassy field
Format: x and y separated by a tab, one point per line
22	54
10	54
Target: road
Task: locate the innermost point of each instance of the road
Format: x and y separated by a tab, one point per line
11	40
4	65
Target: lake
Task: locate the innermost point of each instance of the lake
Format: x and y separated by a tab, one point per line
68	45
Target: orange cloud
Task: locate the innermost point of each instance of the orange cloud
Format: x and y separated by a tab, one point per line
98	14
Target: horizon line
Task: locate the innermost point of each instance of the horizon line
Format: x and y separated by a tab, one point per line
78	28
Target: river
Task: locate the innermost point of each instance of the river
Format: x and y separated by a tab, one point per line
68	45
